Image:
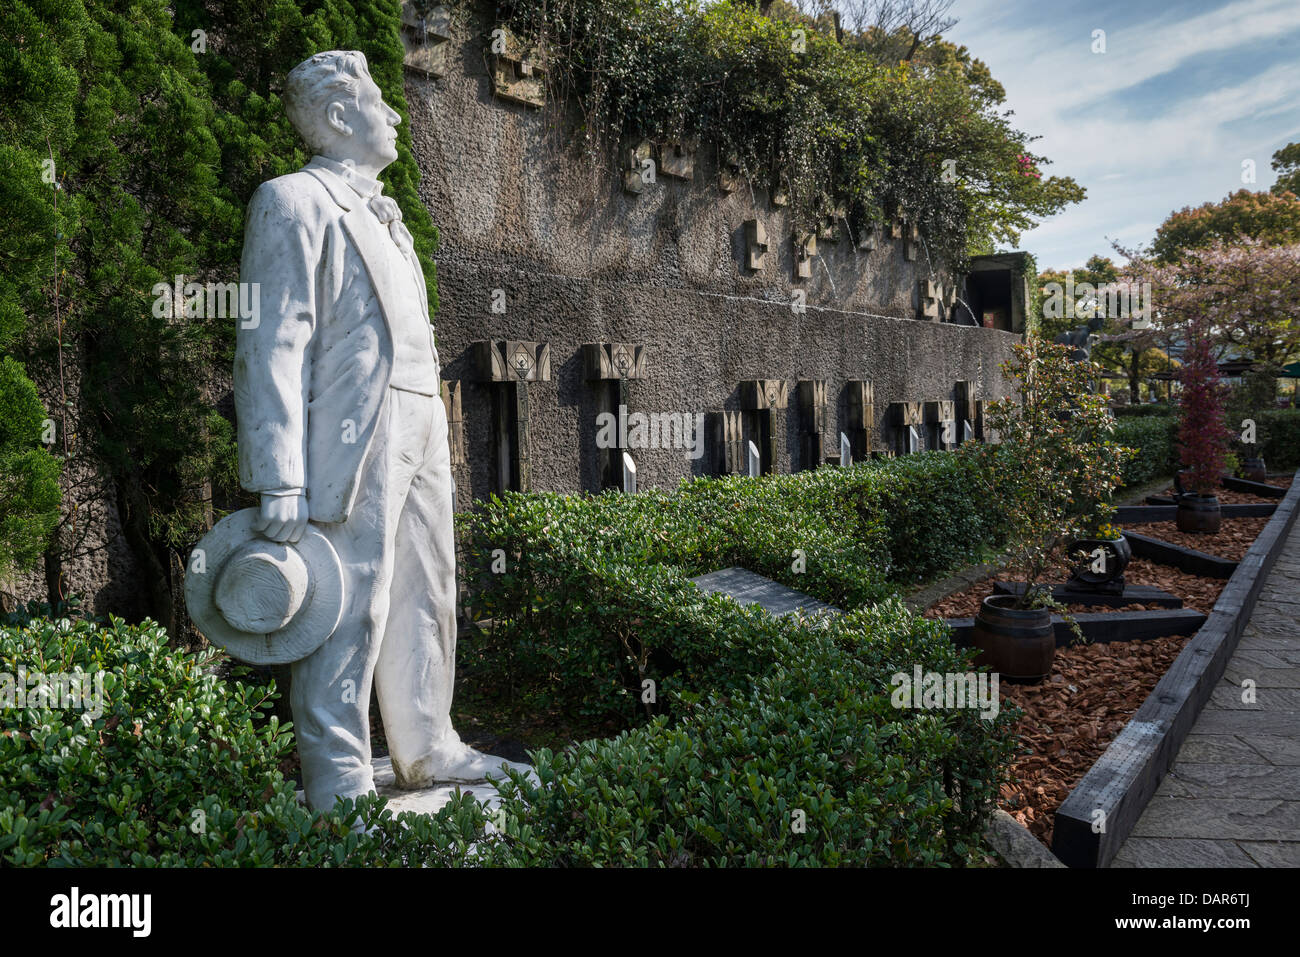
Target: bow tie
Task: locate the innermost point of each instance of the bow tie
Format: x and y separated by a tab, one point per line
389	213
385	208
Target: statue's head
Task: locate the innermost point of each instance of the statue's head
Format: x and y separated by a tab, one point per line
339	111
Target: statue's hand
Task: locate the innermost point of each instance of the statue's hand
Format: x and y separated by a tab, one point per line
283	518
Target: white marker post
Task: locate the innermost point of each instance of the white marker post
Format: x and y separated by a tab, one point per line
755	461
629	475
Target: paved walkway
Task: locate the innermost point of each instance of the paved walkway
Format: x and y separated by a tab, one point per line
1232	798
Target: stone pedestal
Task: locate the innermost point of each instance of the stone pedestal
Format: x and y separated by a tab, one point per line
431	799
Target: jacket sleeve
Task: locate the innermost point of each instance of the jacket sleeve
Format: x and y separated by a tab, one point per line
272	374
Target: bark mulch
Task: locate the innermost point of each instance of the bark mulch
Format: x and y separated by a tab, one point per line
1231	541
1072	717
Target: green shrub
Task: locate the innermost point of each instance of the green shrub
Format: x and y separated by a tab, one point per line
1279	431
180	768
1154	438
814	732
29	474
587	597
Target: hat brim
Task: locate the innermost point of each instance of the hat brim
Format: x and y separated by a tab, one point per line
319	615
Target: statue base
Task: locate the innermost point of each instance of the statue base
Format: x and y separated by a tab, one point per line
431	799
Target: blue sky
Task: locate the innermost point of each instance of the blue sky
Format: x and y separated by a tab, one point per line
1186	90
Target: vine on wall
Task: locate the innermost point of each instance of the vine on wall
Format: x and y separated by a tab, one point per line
788	101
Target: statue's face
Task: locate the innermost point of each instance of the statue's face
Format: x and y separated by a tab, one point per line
372	140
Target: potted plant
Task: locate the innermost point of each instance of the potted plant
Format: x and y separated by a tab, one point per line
1054	465
1099	560
1202	435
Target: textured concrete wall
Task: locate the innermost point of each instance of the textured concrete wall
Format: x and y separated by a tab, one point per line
521	209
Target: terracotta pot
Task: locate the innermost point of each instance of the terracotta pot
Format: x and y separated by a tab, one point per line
1019	644
1118	554
1198	513
1253	470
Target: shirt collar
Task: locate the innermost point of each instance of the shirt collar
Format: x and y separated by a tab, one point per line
363	186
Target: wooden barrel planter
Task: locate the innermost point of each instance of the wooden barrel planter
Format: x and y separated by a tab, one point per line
1018	643
1198	513
1253	470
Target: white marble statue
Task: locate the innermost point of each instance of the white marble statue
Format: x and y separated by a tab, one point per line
343	434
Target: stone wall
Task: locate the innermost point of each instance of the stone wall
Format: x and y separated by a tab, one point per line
530	223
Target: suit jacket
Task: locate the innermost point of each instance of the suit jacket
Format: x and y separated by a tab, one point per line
312	373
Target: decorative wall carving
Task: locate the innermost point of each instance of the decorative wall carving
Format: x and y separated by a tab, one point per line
516	74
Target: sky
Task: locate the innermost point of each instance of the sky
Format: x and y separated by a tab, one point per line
1185	92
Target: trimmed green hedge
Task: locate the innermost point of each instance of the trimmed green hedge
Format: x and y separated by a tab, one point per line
1280	434
183	769
585	595
1155	438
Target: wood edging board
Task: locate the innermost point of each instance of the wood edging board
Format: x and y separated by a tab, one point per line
1187	559
1140	514
1104	627
1097	817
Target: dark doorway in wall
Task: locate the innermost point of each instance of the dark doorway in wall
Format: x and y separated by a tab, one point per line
989	295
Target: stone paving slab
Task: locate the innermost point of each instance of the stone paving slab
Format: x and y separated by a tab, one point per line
1220	818
1178	852
1232	796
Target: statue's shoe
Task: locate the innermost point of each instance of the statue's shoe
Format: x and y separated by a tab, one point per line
462	764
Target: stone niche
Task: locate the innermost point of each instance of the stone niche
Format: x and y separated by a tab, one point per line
451	399
941	423
611	367
909	423
516	74
426	34
815	432
860	399
638	171
508	367
762	399
805	249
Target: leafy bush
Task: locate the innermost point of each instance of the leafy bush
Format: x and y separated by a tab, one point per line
29	475
181	768
1280	433
1057	462
588	597
1154	439
815	732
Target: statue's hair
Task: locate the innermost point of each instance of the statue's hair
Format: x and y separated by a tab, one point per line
315	83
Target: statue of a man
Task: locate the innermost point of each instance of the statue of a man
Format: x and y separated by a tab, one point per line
341	425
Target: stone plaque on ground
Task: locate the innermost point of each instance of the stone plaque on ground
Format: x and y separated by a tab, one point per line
749	588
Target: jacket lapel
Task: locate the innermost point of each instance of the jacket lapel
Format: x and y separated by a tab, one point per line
369	239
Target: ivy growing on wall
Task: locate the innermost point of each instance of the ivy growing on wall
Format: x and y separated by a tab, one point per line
786	99
156	121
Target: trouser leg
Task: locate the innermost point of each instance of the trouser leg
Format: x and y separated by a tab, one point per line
330	696
415	671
